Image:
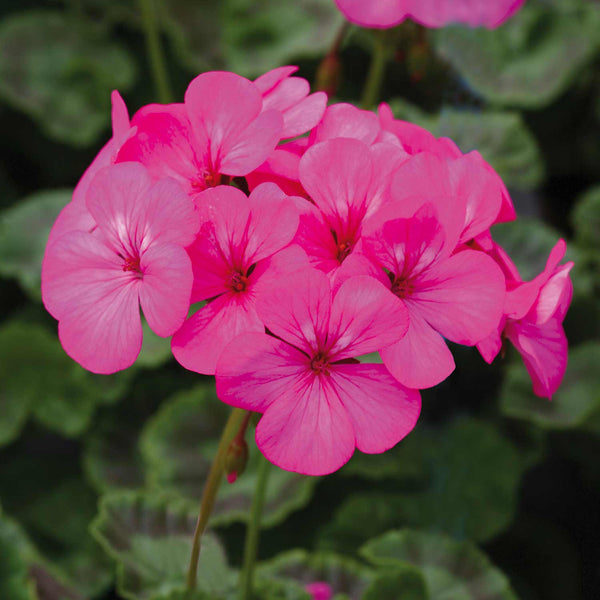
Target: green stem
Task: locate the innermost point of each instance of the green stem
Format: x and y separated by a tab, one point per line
236	419
155	52
372	89
253	530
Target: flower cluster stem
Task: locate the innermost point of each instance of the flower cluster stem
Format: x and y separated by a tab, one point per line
235	421
253	530
372	90
155	51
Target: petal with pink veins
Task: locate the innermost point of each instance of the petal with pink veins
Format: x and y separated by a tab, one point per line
202	338
382	411
421	359
461	297
166	287
346	121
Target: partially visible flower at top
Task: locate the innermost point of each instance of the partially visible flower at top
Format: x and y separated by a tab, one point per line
290	96
75	215
236	252
221	131
94	282
533	315
430	13
319	590
319	403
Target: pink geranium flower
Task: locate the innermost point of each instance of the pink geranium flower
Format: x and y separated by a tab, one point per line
533	315
454	296
347	181
235	255
290	96
430	13
319	590
75	215
94	282
221	131
318	404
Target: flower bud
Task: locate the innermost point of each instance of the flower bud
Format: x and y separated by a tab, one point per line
236	459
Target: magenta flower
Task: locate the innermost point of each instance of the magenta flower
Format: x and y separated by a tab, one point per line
430	13
221	131
416	140
319	590
318	404
75	216
533	315
94	282
290	96
234	257
347	181
458	296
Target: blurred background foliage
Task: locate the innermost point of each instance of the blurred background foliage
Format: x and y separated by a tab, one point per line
495	495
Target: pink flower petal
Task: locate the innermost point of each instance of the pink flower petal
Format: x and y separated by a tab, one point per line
267	82
257	370
96	303
166	287
300	318
382	411
365	317
544	352
421	358
336	174
307	430
304	115
462	297
202	338
346	121
374	13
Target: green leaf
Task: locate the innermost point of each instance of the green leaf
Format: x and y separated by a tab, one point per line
24	230
155	350
400	584
586	219
259	36
15	582
60	69
150	537
501	137
179	444
532	58
61	395
575	403
452	570
345	576
461	480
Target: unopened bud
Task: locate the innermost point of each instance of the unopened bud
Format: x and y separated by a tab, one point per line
236	459
329	75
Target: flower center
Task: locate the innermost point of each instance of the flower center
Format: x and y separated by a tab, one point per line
132	263
238	282
403	288
320	363
205	180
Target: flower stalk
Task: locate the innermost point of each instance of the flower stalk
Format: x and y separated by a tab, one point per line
372	90
253	531
235	421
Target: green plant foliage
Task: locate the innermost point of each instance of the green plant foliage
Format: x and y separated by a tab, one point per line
150	538
532	58
400	584
461	480
452	570
24	230
62	396
576	402
155	350
60	70
346	577
586	219
501	137
250	37
179	443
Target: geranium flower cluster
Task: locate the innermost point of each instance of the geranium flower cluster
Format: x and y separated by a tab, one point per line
281	243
